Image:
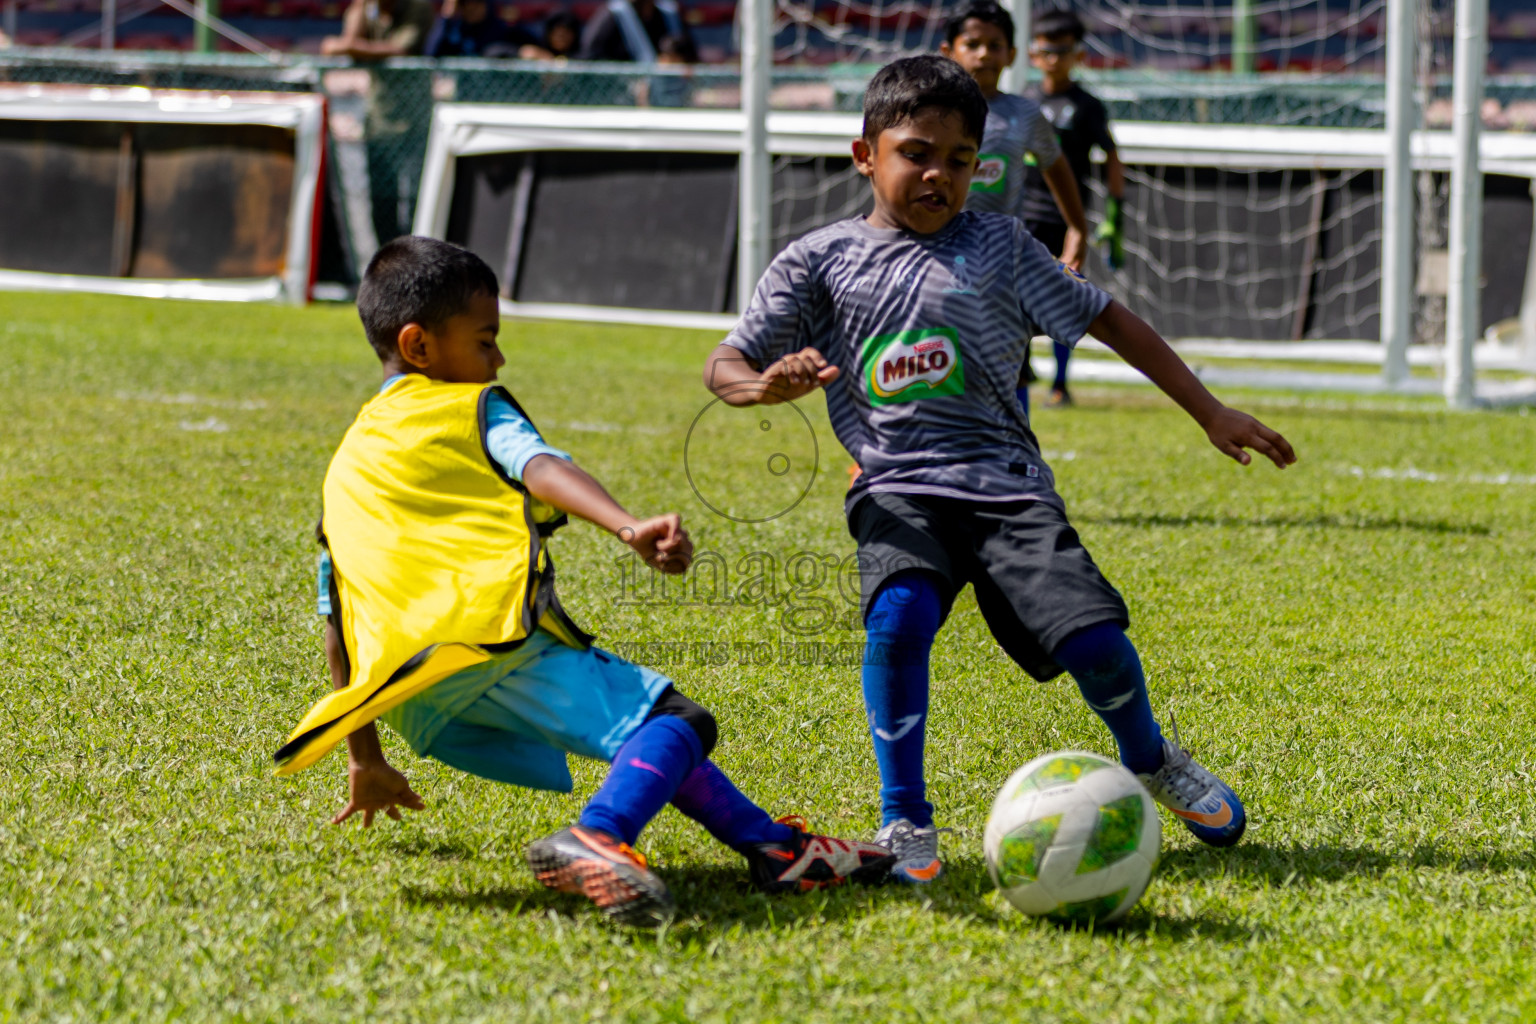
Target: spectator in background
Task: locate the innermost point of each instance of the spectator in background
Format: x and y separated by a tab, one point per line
672	90
562	38
375	29
632	30
469	28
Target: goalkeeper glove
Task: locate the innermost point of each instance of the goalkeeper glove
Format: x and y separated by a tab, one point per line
1112	233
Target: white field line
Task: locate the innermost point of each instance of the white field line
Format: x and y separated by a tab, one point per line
598	427
1487	355
1112	371
188	399
1428	477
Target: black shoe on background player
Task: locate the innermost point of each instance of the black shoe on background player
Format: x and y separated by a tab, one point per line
1060	399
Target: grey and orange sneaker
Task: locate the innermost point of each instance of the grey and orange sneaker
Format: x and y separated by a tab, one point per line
916	850
808	861
1207	806
606	871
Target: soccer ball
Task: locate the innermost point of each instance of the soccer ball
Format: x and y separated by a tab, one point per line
1073	837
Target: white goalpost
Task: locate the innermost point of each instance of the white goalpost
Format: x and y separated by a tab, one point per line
1463	317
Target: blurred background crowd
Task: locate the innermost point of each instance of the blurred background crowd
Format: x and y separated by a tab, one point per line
665	31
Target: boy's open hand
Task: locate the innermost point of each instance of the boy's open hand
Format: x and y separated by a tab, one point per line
377	787
1232	431
662	542
795	376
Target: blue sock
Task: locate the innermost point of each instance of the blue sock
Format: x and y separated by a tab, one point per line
1108	672
1063	356
646	772
1023	394
899	628
710	798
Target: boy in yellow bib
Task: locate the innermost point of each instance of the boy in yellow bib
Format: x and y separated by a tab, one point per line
443	620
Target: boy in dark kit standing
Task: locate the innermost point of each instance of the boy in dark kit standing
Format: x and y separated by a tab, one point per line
1081	123
915	321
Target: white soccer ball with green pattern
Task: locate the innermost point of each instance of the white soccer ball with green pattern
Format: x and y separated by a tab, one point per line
1074	837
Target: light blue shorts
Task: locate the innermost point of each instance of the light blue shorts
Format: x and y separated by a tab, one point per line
514	718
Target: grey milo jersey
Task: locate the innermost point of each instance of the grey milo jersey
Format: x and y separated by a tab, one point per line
1015	126
929	332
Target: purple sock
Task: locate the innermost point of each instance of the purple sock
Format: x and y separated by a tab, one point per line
713	800
646	772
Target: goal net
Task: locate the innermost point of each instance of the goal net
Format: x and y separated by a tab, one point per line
1244	245
1318	37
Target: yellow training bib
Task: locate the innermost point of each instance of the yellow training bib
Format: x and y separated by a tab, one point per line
436	556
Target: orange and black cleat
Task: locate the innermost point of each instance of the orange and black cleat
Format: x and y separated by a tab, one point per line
808	861
606	871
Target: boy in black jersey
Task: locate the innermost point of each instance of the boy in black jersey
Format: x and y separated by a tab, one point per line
1081	123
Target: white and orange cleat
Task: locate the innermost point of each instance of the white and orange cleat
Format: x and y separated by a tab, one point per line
1207	806
916	849
809	861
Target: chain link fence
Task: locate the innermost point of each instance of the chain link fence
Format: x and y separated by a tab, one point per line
381	113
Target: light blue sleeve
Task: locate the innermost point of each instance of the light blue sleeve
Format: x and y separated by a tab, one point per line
323	605
511	439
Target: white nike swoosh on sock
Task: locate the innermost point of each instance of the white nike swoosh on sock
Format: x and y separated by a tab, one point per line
1115	703
906	724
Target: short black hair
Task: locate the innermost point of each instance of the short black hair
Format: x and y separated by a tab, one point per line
1055	21
416	280
680	47
566	18
987	11
903	87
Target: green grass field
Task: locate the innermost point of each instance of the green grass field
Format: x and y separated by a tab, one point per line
1351	643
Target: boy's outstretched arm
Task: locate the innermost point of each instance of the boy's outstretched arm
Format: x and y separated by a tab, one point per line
1063	185
373	784
1229	430
736	381
661	540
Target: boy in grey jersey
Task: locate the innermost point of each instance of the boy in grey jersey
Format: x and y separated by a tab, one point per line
979	37
914	320
1018	140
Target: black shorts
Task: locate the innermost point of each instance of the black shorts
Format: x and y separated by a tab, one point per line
1035	583
1051	235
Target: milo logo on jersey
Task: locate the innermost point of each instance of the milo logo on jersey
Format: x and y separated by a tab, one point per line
991	173
912	365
